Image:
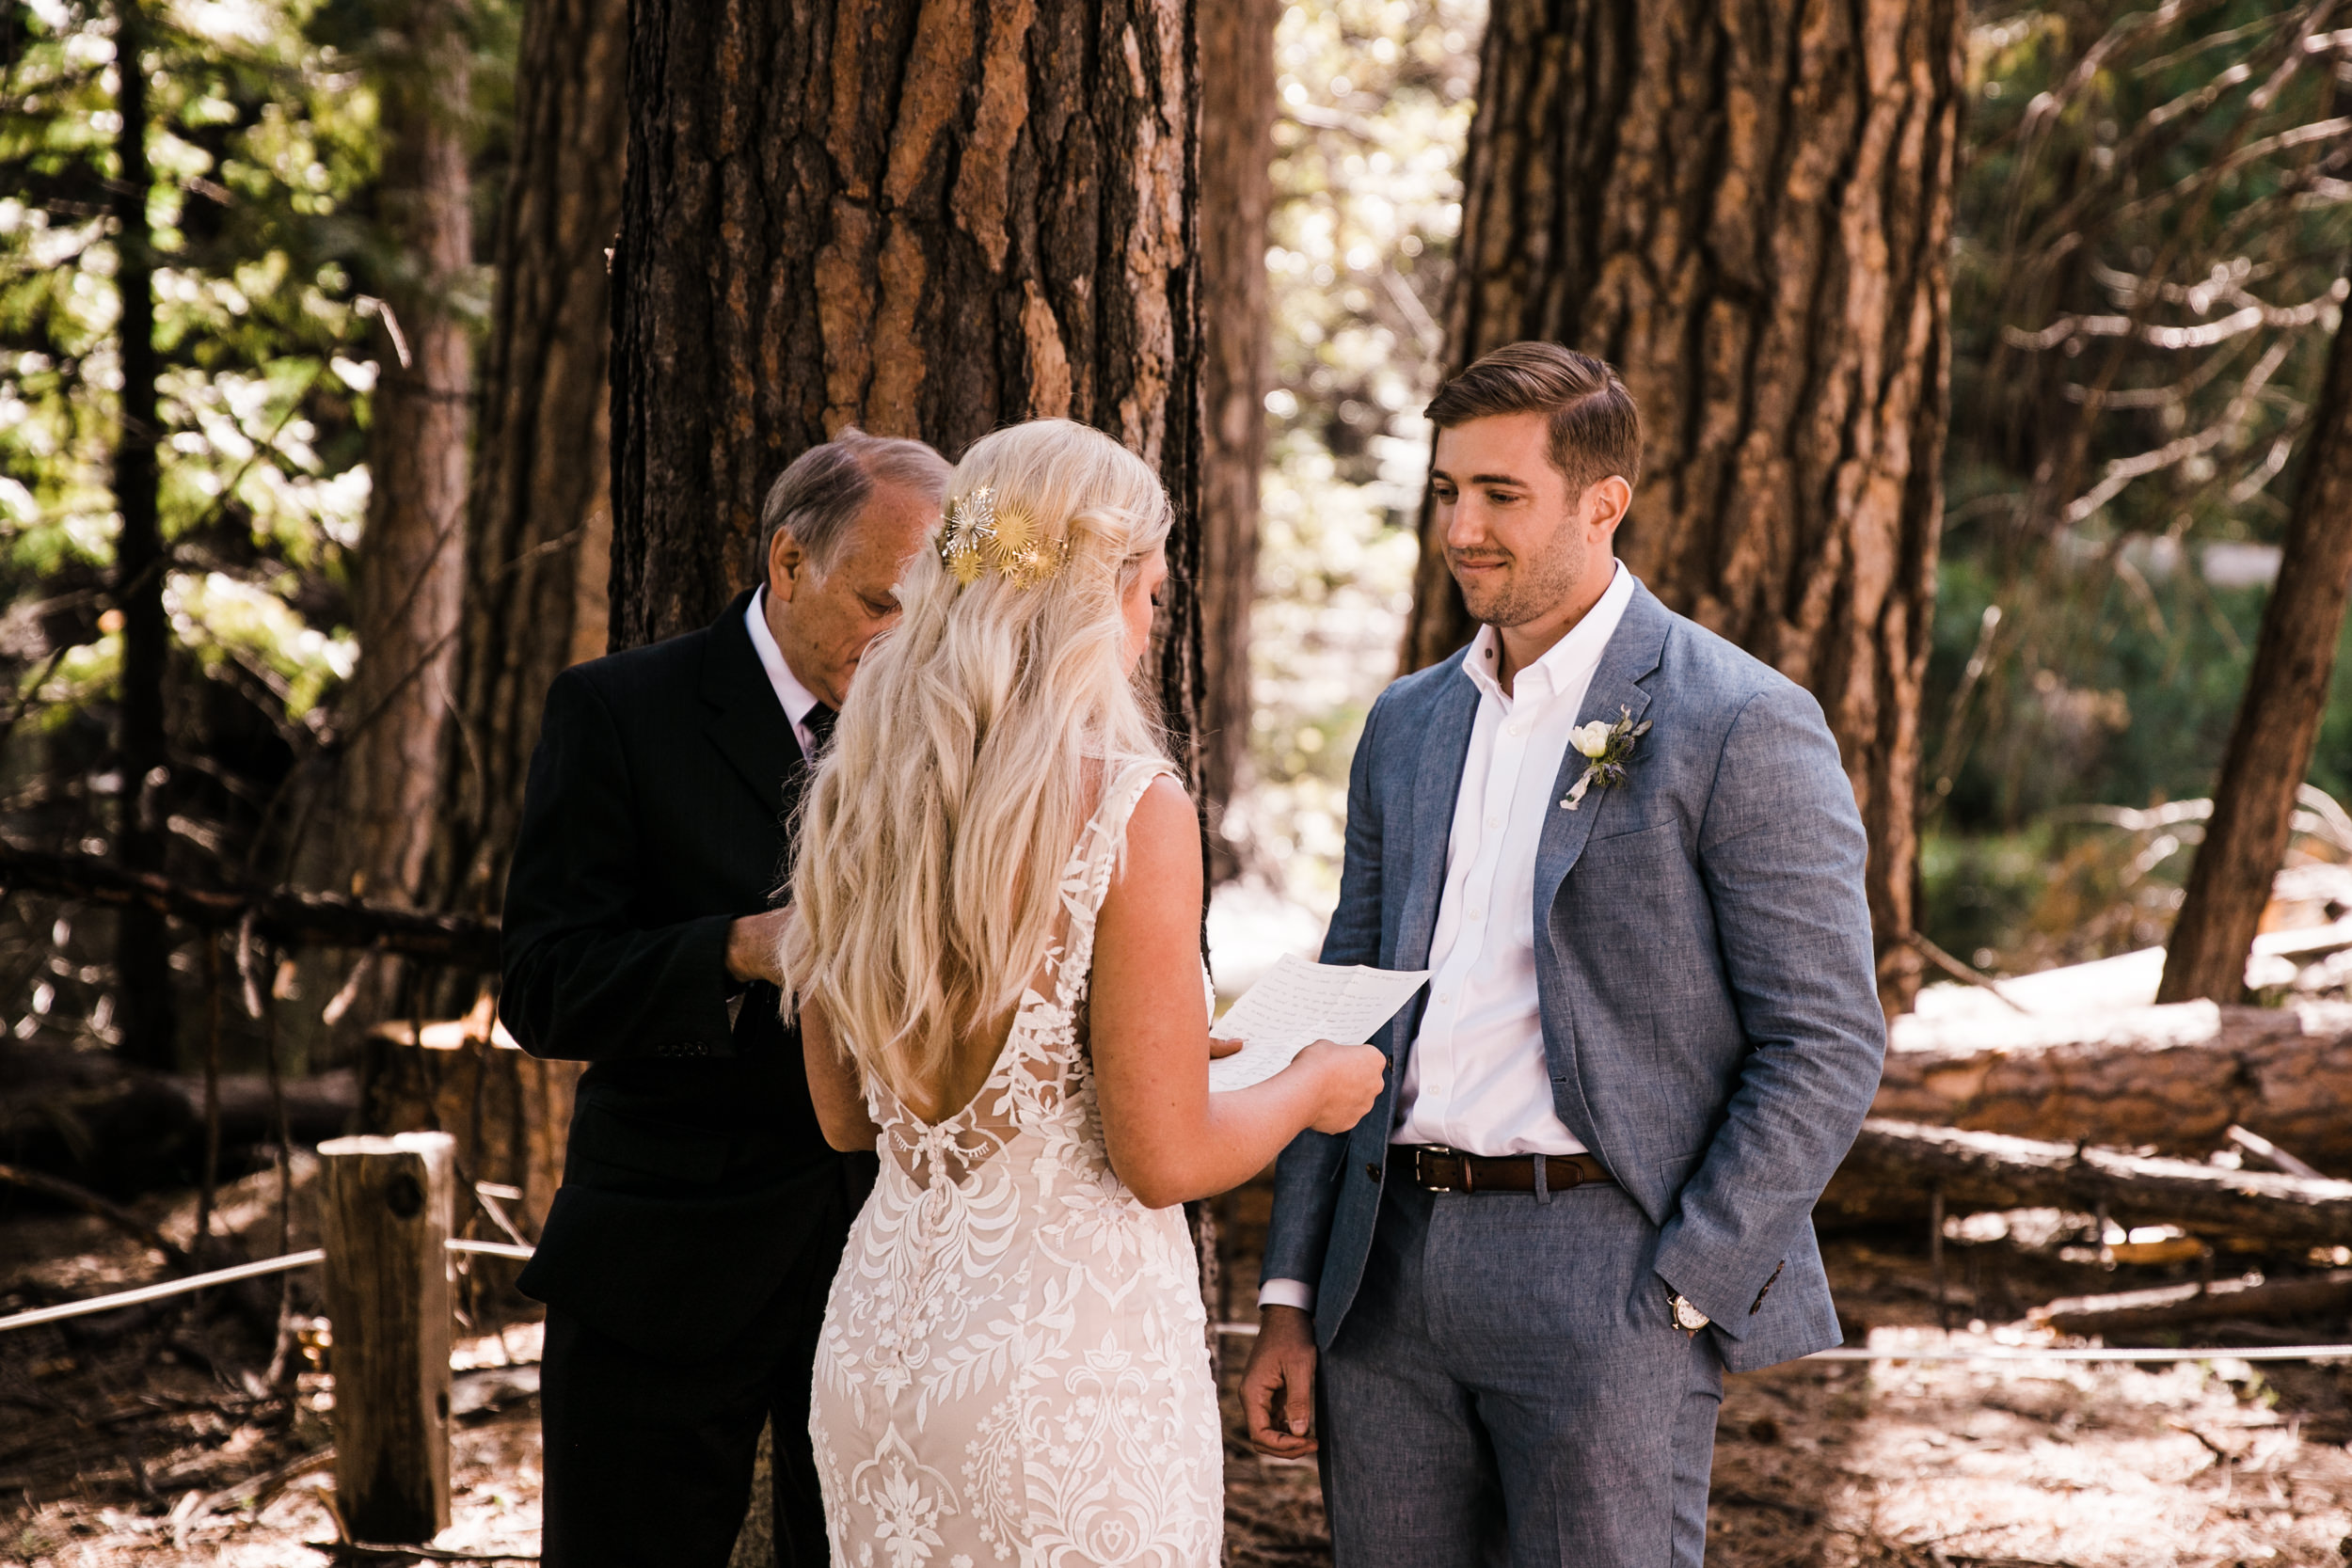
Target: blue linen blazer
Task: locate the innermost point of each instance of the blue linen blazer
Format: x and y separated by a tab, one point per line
1704	966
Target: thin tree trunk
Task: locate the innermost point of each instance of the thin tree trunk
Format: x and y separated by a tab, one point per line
1237	111
2278	721
539	533
410	563
1748	211
142	942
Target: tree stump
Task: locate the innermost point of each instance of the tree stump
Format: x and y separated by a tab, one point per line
386	1217
509	1111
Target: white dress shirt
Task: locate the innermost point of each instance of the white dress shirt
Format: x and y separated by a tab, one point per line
1477	1079
798	700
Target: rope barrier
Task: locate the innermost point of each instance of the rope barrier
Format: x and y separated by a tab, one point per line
157	1292
1843	1353
2028	1352
2057	1353
223	1276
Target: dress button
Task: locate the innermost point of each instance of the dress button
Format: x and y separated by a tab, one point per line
1478	914
1373	1171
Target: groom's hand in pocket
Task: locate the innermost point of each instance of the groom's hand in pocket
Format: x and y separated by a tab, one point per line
1278	1390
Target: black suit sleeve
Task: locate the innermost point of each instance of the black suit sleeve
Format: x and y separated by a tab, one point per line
583	980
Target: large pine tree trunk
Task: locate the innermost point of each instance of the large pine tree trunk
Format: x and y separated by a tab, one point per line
2278	722
408	573
539	529
142	944
927	219
1237	111
1747	211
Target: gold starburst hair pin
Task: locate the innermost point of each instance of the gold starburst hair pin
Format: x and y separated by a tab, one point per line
985	534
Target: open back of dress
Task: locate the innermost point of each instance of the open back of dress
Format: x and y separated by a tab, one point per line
1014	1362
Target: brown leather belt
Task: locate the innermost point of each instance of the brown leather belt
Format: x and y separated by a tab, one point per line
1450	1170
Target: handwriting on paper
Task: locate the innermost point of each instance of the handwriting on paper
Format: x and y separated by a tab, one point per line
1299	1003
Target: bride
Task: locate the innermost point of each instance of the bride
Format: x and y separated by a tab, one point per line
996	957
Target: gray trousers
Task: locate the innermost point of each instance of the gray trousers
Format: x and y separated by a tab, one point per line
1509	1388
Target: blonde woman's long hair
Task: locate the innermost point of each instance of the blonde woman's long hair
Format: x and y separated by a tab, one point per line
979	732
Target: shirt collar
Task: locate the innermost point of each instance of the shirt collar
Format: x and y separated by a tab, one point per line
1571	660
797	700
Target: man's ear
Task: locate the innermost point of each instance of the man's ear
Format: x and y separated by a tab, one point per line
785	559
1605	503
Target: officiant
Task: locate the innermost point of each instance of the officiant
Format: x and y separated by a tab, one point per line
685	1261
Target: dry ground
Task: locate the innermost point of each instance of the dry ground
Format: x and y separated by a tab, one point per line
150	1437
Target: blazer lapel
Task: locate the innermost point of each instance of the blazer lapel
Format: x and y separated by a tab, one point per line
747	724
1444	742
1630	658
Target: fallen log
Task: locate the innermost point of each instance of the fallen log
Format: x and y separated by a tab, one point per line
2172	1305
2173	1079
286	917
1894	1168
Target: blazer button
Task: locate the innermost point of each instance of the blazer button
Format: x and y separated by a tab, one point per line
1373	1171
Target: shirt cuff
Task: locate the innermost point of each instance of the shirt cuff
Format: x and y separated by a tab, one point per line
1287	1292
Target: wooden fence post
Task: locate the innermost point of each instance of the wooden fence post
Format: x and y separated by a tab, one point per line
388	1206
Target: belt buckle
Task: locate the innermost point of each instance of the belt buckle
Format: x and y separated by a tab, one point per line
1425	1157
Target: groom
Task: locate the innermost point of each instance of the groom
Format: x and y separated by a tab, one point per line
701	1215
1504	1301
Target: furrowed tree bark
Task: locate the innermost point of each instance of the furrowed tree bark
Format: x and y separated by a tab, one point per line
1894	1166
926	218
409	568
1747	211
539	530
835	215
1237	111
2278	721
2174	1079
142	944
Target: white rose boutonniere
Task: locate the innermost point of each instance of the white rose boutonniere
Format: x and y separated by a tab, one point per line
1591	739
1605	748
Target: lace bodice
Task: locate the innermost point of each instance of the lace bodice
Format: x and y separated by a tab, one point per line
1014	1363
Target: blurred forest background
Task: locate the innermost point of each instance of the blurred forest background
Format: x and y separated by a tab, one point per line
2148	240
330	431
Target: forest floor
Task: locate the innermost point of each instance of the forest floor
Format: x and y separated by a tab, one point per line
150	1437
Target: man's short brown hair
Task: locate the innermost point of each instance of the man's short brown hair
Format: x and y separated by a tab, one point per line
1595	429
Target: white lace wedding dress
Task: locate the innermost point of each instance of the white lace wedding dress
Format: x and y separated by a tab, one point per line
1014	1366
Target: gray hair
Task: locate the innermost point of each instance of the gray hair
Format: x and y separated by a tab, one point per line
815	499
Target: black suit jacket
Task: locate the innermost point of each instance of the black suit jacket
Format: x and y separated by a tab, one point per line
696	1177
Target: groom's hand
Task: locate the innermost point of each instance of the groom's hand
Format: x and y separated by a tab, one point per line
1278	1390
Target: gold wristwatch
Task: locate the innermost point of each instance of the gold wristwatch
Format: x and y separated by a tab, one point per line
1687	1318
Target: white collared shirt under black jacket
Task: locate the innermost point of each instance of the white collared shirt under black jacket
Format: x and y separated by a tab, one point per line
655	817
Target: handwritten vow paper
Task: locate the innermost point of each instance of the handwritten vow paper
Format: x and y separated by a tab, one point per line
1297	1003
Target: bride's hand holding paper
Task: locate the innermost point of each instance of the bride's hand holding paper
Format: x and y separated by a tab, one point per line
1298	1005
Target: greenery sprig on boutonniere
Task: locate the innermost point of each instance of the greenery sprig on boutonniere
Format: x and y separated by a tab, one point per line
1606	748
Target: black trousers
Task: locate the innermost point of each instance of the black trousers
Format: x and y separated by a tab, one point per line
648	1459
